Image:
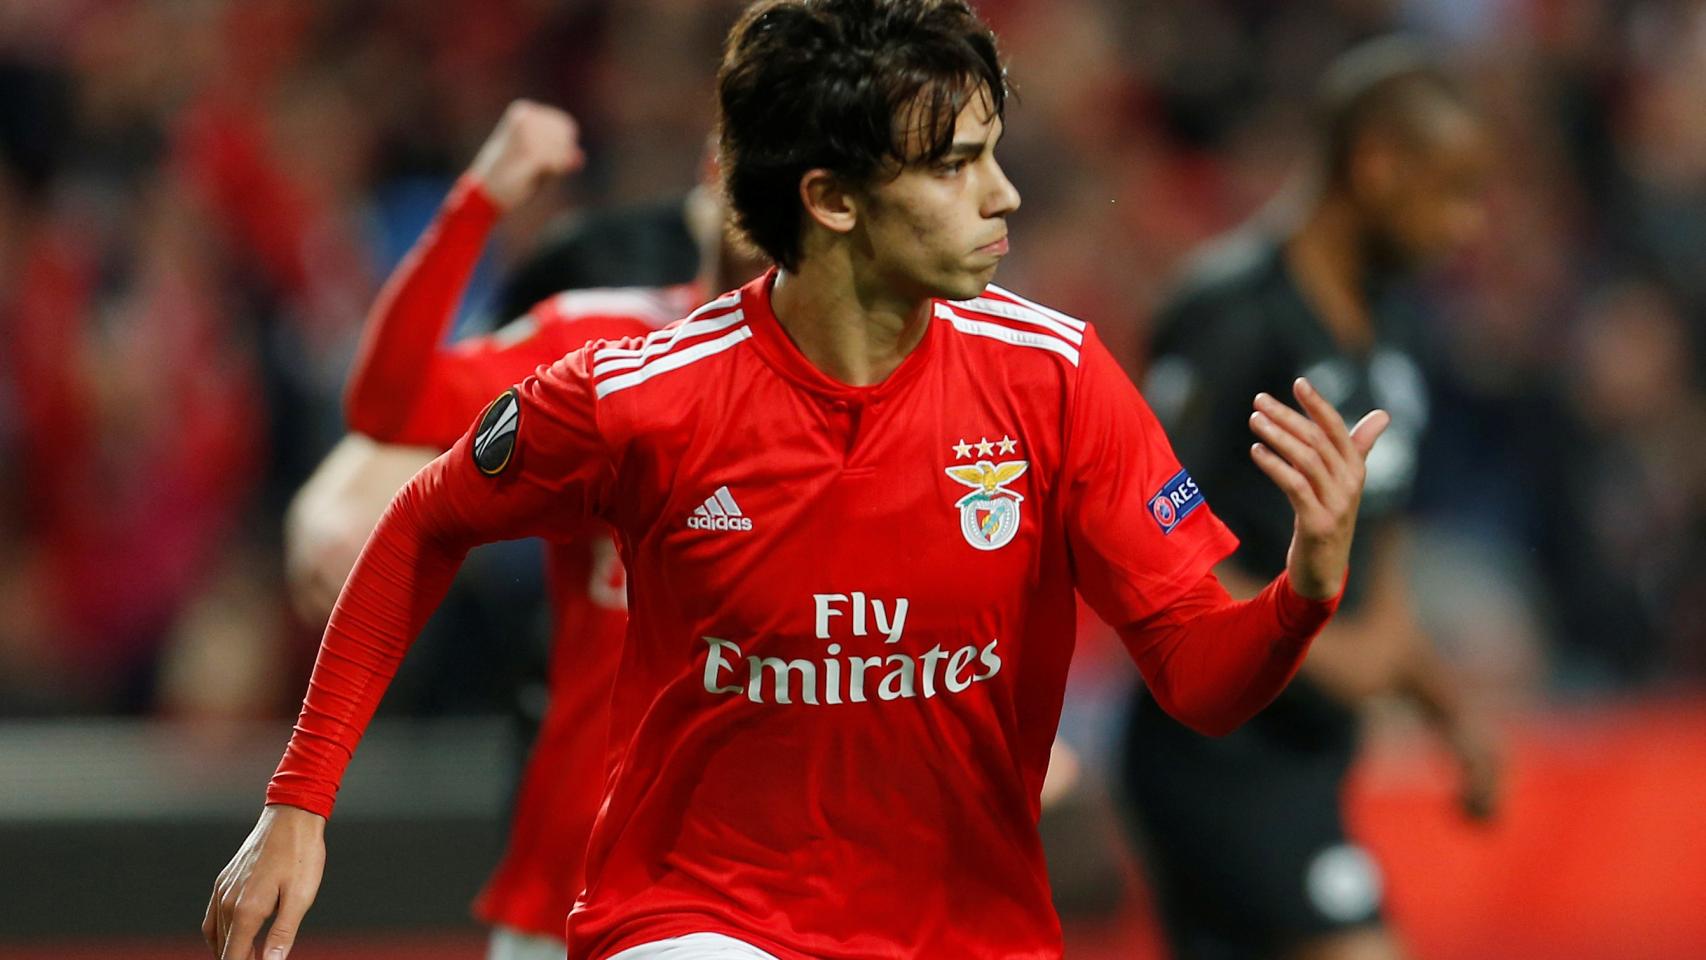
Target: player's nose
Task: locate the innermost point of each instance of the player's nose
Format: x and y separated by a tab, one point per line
1003	196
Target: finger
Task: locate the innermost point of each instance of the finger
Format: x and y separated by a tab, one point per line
209	922
251	911
1293	484
1304	429
282	936
1302	457
1368	430
1325	415
222	919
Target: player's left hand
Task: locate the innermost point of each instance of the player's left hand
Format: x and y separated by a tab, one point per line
1320	466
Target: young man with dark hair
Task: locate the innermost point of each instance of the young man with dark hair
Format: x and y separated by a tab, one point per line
854	498
1243	835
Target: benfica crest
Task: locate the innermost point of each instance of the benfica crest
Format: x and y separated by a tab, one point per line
989	515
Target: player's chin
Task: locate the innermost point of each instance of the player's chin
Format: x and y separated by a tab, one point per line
968	283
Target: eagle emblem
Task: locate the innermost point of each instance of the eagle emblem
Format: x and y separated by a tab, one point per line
989	514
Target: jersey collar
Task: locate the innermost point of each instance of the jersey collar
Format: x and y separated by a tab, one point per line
781	353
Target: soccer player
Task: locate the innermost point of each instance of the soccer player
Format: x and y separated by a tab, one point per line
1243	836
854	498
406	388
661	247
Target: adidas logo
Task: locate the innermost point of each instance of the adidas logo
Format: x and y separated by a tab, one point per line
719	512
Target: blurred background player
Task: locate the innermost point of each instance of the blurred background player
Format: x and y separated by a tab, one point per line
410	397
1243	836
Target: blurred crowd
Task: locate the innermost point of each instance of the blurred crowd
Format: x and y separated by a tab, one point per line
199	199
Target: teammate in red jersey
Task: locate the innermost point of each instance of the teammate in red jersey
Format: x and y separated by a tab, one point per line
407	388
854	498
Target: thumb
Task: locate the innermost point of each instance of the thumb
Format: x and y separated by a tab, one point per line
1369	429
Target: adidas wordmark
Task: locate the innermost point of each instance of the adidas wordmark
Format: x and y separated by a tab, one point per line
719	512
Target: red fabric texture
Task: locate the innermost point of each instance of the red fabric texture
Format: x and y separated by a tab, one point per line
848	656
399	343
1213	662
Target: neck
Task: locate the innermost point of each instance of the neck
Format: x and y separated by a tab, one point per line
719	268
1327	257
855	330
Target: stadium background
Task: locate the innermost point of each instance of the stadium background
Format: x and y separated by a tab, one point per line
198	199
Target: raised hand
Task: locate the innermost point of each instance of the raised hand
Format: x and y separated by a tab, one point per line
275	874
532	144
1319	465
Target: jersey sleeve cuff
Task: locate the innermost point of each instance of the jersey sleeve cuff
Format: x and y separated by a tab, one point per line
469	199
1302	617
316	801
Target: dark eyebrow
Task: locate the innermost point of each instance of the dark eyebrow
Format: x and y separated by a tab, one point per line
971	148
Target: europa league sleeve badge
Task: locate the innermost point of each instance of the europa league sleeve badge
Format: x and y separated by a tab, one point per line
495	437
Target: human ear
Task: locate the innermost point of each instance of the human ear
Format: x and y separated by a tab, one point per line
828	201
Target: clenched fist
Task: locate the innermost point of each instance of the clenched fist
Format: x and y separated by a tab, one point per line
531	145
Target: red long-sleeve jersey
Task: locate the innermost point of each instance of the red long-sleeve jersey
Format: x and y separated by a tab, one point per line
408	387
853	613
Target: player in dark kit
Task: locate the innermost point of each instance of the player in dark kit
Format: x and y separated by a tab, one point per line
1243	835
857	499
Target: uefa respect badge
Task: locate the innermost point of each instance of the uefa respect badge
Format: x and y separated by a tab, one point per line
1178	497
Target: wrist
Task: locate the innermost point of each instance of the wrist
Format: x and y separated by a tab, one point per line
473	196
301	815
1299	613
1318	587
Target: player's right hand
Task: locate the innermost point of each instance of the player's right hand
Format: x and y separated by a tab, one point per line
276	874
531	145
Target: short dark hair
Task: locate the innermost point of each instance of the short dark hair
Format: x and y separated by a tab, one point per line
1382	84
857	87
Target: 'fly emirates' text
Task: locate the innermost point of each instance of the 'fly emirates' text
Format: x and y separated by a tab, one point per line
851	679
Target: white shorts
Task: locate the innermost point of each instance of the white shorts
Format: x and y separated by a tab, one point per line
511	944
694	946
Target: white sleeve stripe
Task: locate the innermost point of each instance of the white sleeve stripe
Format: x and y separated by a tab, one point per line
1012	311
611	359
570	304
1006	294
516	331
725	301
672	361
995	331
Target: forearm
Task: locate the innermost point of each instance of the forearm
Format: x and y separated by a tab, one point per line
399	579
1213	662
409	318
351	487
1426	679
1357	659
